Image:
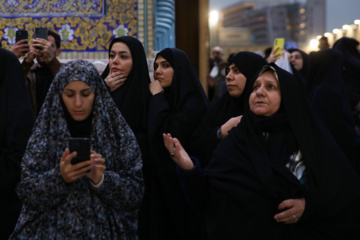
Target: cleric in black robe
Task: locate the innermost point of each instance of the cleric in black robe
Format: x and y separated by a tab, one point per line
230	105
351	69
289	155
328	97
177	105
16	122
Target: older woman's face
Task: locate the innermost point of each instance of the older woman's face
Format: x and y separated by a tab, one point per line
235	81
265	98
78	99
163	72
296	60
120	59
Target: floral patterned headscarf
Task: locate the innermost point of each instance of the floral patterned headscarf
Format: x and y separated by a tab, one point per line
110	134
44	192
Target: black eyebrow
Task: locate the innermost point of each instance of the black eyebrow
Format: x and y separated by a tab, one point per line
72	90
112	51
163	62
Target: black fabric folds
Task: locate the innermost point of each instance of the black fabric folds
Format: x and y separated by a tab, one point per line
327	96
247	178
16	122
351	71
44	78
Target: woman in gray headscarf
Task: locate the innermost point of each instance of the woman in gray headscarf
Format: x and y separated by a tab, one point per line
97	198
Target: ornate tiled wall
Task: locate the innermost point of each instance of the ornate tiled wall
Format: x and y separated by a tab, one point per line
85	26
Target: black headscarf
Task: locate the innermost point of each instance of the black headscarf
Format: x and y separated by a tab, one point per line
328	98
247	177
185	97
16	122
205	140
178	110
348	47
132	97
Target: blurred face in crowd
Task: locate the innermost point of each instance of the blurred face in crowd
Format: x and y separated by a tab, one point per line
163	72
78	99
120	59
323	44
217	53
265	98
41	59
296	60
235	81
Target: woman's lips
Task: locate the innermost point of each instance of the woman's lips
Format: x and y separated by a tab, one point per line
78	112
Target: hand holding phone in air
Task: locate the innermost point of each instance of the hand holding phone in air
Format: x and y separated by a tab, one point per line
21	47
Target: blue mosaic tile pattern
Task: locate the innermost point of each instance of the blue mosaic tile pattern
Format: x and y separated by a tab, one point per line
84	25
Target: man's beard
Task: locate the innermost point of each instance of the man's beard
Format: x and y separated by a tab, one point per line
40	62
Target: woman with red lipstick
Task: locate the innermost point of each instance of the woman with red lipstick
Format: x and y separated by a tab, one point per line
177	104
94	199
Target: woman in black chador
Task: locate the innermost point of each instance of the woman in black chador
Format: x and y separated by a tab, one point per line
279	174
351	69
127	78
328	98
227	111
177	104
16	122
300	64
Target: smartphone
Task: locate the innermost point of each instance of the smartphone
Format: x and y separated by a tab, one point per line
279	42
41	33
21	34
82	147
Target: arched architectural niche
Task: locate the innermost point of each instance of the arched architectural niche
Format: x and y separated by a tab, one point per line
164	24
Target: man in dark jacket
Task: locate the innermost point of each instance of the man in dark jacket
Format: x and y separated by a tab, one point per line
39	75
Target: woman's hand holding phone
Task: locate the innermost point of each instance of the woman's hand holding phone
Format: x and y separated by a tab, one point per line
71	172
93	168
